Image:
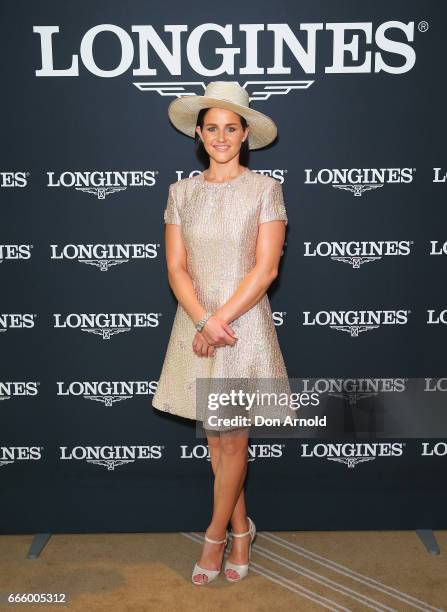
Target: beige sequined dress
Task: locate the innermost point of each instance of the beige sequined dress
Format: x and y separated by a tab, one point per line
219	225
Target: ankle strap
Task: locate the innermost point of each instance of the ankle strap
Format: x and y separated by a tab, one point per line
217	541
241	535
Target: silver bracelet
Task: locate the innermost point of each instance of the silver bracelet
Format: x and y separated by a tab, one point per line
201	324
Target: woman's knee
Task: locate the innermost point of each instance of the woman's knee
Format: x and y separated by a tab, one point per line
213	442
232	445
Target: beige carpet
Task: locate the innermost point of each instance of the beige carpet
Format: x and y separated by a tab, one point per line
309	571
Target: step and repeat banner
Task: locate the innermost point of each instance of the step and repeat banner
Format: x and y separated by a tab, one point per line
360	305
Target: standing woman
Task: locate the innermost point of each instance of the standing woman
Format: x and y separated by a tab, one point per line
225	230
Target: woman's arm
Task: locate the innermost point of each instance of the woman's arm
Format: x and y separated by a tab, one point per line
178	276
254	285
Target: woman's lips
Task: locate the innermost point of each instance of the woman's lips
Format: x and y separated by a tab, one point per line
221	148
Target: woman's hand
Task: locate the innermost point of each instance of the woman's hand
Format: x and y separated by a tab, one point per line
216	332
201	347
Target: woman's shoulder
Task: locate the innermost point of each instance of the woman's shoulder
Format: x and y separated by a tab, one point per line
183	183
177	188
265	182
183	189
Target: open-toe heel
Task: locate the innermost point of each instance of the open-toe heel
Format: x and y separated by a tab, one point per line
241	570
210	574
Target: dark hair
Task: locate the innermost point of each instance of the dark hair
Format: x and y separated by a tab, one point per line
202	153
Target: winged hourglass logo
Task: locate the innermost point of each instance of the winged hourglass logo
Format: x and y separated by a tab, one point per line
357	190
103	264
257	90
100	192
351	462
110	464
354	330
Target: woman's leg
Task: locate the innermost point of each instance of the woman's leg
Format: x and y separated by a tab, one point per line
239	521
229	461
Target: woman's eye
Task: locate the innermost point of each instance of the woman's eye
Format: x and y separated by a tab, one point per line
231	129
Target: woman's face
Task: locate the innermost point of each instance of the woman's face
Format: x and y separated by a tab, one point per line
222	134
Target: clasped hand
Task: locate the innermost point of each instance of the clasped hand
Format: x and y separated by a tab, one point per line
215	333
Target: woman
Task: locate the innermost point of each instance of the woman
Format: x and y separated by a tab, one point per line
224	236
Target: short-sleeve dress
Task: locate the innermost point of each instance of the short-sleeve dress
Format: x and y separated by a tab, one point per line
219	224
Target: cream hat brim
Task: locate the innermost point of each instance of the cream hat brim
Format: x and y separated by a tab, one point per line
183	113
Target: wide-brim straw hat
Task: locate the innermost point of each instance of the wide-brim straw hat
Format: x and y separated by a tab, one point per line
230	95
